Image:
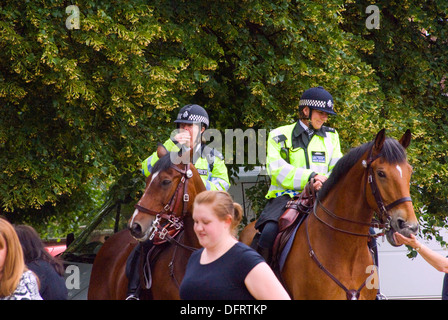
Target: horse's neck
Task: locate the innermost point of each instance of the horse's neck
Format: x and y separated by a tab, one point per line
347	200
190	238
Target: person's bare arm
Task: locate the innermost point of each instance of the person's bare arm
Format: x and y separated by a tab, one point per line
433	258
264	285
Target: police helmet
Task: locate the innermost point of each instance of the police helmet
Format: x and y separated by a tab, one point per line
317	99
193	113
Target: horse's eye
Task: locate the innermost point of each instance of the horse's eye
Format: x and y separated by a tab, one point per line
381	174
166	182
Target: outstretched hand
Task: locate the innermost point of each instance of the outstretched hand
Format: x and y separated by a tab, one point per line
411	241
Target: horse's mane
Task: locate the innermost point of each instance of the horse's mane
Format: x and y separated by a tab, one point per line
163	163
392	152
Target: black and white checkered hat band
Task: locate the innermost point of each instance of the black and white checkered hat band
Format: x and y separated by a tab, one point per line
321	104
198	118
193	118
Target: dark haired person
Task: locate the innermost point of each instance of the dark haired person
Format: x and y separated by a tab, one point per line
49	270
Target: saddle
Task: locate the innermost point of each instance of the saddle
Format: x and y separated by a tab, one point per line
296	210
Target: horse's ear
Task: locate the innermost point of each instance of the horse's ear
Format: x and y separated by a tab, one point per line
185	156
161	150
379	140
405	140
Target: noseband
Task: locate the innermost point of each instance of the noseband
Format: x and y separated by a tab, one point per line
174	224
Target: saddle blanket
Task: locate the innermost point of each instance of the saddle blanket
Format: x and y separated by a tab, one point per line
288	245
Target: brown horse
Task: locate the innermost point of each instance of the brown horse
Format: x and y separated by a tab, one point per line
329	257
164	211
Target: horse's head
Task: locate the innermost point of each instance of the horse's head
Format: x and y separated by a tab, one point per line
388	180
168	197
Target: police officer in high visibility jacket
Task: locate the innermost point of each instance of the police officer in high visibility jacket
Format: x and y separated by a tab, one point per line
295	154
192	120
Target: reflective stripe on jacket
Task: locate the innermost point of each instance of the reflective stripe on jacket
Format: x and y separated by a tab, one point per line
213	174
291	167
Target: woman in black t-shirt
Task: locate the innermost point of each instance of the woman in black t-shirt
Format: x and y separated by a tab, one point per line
225	268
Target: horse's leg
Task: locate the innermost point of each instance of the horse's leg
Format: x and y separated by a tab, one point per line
117	275
108	280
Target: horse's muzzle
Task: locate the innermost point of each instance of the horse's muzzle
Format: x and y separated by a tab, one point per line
140	225
136	230
401	226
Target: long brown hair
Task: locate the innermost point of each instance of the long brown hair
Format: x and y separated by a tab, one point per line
34	249
14	265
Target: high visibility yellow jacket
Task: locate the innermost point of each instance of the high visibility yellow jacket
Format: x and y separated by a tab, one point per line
213	171
291	162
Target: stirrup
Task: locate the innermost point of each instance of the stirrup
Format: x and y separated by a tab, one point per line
132	297
380	296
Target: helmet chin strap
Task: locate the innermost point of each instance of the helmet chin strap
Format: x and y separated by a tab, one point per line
310	125
308	118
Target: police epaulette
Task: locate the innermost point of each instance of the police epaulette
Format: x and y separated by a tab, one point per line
280	138
328	129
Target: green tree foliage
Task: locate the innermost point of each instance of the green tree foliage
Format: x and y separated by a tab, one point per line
81	108
410	59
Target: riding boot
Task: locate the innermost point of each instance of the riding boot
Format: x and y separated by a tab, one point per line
266	240
266	253
134	288
133	275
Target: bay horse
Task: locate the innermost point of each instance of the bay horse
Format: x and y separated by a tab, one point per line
164	210
329	257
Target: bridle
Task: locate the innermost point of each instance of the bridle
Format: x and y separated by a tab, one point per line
174	224
383	209
384	222
384	218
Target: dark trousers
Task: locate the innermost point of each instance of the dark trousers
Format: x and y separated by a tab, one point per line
267	223
133	266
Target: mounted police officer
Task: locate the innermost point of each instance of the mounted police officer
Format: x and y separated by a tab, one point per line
295	154
192	120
